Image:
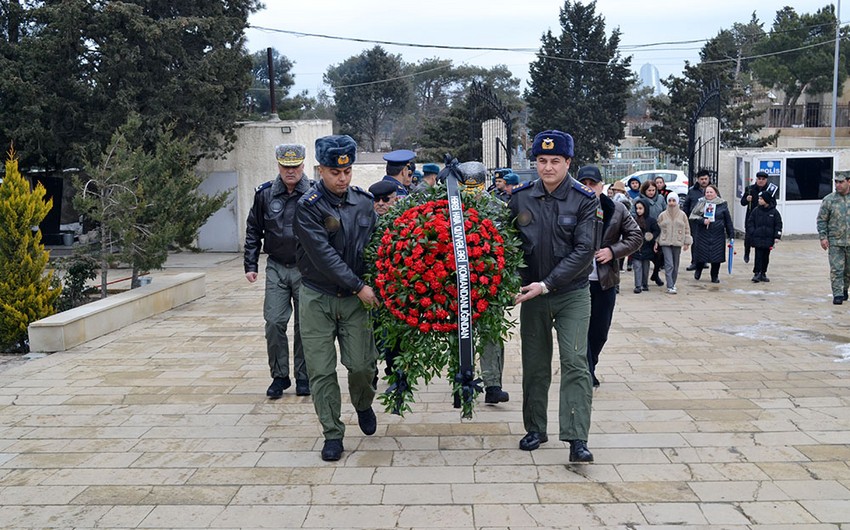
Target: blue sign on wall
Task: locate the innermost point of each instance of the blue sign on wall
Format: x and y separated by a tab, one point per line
771	167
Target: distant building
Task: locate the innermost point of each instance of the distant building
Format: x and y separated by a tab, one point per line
649	78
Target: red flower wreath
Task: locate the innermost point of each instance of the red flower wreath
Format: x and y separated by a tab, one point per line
416	262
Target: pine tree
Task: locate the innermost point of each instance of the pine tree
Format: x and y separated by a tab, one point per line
580	83
25	292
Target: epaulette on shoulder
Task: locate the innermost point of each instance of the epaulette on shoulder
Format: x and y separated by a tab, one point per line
358	189
524	186
587	190
263	186
312	196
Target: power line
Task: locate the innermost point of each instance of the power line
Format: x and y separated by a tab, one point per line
633	47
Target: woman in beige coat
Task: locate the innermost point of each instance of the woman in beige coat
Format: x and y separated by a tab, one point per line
675	236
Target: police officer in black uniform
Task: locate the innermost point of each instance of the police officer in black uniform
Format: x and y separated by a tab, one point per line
559	221
269	228
333	223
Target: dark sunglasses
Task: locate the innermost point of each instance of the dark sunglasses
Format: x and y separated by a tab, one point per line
383	199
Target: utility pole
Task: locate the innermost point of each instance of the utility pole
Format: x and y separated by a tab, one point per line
835	72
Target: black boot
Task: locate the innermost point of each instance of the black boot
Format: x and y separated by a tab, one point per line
764	277
697	272
579	451
756	278
495	394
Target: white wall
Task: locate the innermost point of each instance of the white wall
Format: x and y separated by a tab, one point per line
252	157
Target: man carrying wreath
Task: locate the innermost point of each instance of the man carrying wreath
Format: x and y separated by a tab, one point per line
559	221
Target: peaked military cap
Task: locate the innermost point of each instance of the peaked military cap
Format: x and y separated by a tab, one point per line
290	154
336	151
382	188
400	157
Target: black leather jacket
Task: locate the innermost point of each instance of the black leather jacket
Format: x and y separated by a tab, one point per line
270	221
560	232
332	232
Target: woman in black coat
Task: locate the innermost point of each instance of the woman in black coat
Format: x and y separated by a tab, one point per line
713	227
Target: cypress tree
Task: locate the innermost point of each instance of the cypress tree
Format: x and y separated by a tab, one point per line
25	291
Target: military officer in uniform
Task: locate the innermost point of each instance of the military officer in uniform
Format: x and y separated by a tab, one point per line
400	170
429	177
834	233
559	221
333	223
269	228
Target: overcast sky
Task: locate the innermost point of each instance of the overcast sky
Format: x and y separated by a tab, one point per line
494	23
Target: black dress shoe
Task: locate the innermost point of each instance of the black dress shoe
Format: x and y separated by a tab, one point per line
302	387
277	387
697	273
746	258
756	278
367	421
595	382
659	282
837	300
532	441
638	290
691	267
495	394
766	279
332	450
579	451
715	280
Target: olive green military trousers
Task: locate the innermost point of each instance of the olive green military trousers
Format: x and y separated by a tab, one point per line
324	320
569	314
283	285
492	359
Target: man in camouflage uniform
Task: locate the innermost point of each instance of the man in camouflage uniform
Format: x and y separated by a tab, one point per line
834	234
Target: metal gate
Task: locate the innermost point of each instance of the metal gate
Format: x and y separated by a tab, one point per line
495	140
704	134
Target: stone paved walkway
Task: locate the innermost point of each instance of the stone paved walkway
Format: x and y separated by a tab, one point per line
722	406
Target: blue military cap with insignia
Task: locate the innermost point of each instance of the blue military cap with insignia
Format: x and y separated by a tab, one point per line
552	142
511	178
337	151
430	168
501	172
399	157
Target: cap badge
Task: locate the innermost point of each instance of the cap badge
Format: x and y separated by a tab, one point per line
547	143
342	160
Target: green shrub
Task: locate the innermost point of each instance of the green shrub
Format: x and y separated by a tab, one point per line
26	294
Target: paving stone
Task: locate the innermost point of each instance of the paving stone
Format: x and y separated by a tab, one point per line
165	424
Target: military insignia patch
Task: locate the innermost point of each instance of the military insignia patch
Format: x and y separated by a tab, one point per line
547	143
342	160
312	198
332	224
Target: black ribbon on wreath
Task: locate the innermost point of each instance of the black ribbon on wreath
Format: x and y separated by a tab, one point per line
465	379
